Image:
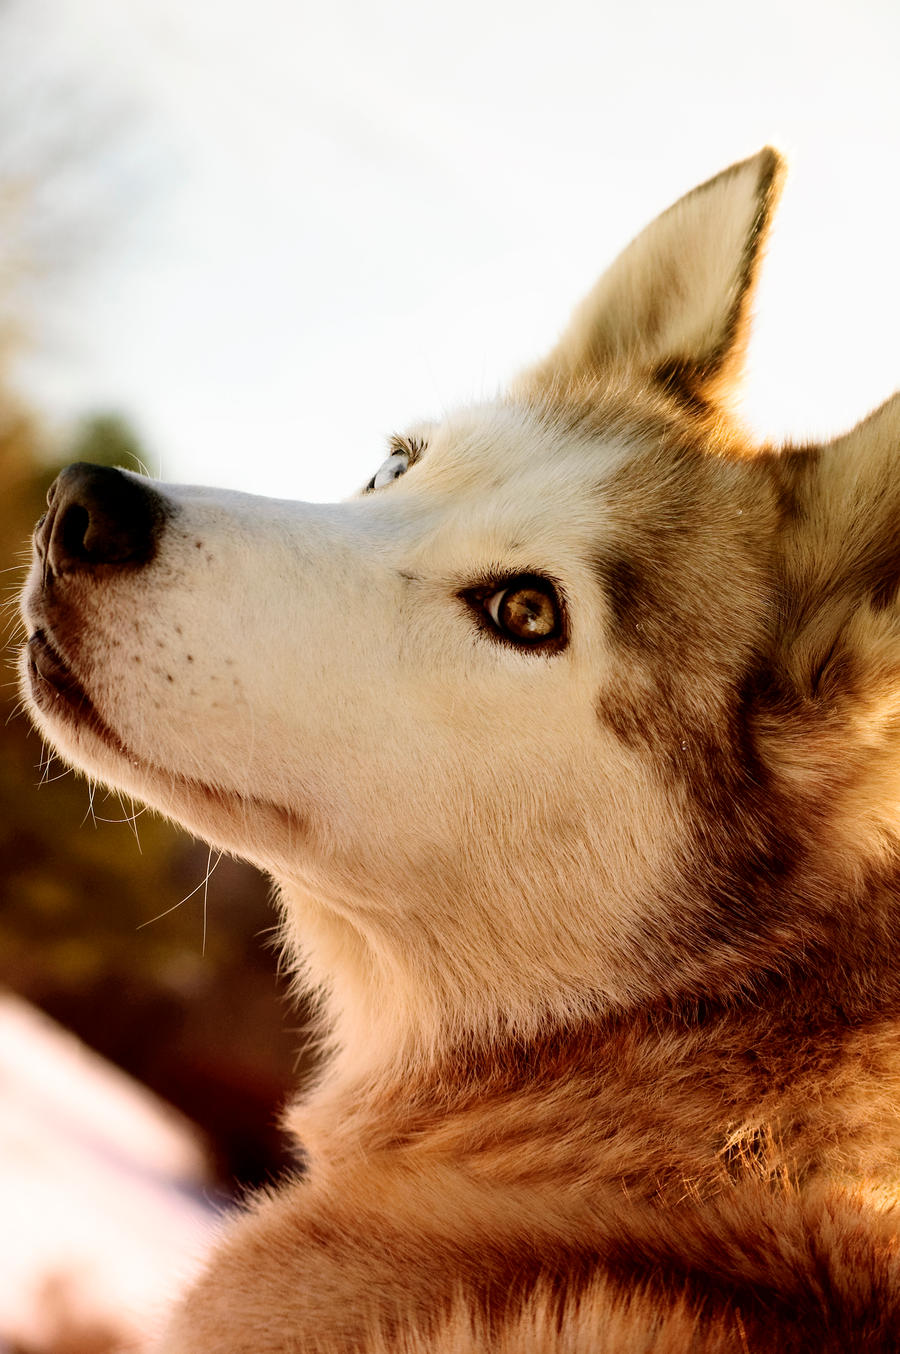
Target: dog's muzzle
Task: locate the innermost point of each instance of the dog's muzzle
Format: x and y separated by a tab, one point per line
98	522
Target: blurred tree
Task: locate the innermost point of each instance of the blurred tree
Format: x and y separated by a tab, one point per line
109	439
79	159
92	924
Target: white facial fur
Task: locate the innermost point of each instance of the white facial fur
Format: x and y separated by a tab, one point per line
304	685
462	841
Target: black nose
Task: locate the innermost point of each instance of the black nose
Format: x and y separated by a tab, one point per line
96	515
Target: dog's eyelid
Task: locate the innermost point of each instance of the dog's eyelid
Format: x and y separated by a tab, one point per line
407	445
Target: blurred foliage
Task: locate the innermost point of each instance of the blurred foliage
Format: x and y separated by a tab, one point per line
183	995
109	439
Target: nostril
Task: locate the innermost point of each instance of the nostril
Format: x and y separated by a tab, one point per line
72	528
99	516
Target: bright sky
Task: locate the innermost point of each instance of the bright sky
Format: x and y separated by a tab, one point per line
324	221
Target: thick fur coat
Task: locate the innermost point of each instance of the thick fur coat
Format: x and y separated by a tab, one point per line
573	744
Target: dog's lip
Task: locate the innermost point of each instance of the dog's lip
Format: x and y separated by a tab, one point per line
52	680
57	692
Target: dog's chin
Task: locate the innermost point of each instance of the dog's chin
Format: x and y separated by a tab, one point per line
59	698
66	715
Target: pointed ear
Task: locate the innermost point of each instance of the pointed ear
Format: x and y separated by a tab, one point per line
841	547
674	306
830	709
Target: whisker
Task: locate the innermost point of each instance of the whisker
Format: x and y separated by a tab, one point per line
186	898
209	870
92	789
20	708
51	780
128	818
46	761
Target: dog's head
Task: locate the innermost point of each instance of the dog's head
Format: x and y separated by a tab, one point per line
582	701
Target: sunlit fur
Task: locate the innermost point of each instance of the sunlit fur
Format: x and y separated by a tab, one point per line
607	937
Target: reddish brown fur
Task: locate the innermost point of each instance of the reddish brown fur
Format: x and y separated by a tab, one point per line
717	1172
684	1159
708	1162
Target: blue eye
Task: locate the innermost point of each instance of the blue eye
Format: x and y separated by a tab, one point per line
396	465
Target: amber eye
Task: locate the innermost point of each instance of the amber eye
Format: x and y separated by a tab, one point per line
527	610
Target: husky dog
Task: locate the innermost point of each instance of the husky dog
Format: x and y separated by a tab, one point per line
573	745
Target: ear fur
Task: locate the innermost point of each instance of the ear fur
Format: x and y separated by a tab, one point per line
842	543
674	306
829	715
